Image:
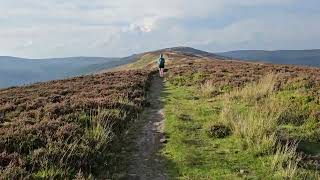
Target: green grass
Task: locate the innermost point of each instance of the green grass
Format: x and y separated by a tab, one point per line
51	172
141	63
194	155
253	114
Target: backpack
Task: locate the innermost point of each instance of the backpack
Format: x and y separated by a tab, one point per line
161	61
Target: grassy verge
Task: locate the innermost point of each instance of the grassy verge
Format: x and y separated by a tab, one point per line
226	133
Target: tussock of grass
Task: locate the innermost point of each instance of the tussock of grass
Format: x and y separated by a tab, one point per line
285	160
257	125
56	173
209	89
253	92
99	132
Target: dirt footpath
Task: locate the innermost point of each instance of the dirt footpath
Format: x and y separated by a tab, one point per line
146	139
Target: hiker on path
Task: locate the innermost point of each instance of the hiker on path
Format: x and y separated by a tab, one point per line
161	63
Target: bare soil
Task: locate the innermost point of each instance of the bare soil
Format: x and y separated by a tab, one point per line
144	146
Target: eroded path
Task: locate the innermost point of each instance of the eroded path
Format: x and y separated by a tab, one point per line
146	138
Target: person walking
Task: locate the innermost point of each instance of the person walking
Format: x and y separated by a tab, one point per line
161	63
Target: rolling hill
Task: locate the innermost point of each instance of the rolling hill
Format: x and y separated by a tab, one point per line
223	120
19	71
299	57
189	51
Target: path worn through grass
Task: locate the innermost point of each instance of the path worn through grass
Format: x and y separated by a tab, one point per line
144	146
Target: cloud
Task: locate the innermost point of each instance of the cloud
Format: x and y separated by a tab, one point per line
145	25
28	43
37	28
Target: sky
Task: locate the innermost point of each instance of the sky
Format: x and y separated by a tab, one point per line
109	28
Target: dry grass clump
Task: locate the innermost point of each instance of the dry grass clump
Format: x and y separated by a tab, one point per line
256	124
58	128
209	90
285	160
253	92
256	120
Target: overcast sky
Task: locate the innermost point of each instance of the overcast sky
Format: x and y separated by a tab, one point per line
58	28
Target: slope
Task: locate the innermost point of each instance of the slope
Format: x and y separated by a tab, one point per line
19	71
69	128
231	119
223	119
299	57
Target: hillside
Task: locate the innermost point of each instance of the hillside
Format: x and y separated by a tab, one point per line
223	119
19	71
229	119
173	55
299	57
188	51
63	128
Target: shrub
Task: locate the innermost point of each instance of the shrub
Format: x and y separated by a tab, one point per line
218	130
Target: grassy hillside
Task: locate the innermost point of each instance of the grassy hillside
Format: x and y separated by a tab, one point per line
223	120
172	55
233	120
299	57
69	128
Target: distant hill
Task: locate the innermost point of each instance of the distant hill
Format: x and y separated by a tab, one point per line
192	52
19	71
298	57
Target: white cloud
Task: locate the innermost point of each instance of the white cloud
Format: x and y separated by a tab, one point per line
28	43
37	28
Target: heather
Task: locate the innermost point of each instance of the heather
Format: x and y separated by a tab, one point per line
68	128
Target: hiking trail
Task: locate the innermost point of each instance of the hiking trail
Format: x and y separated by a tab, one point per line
146	138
